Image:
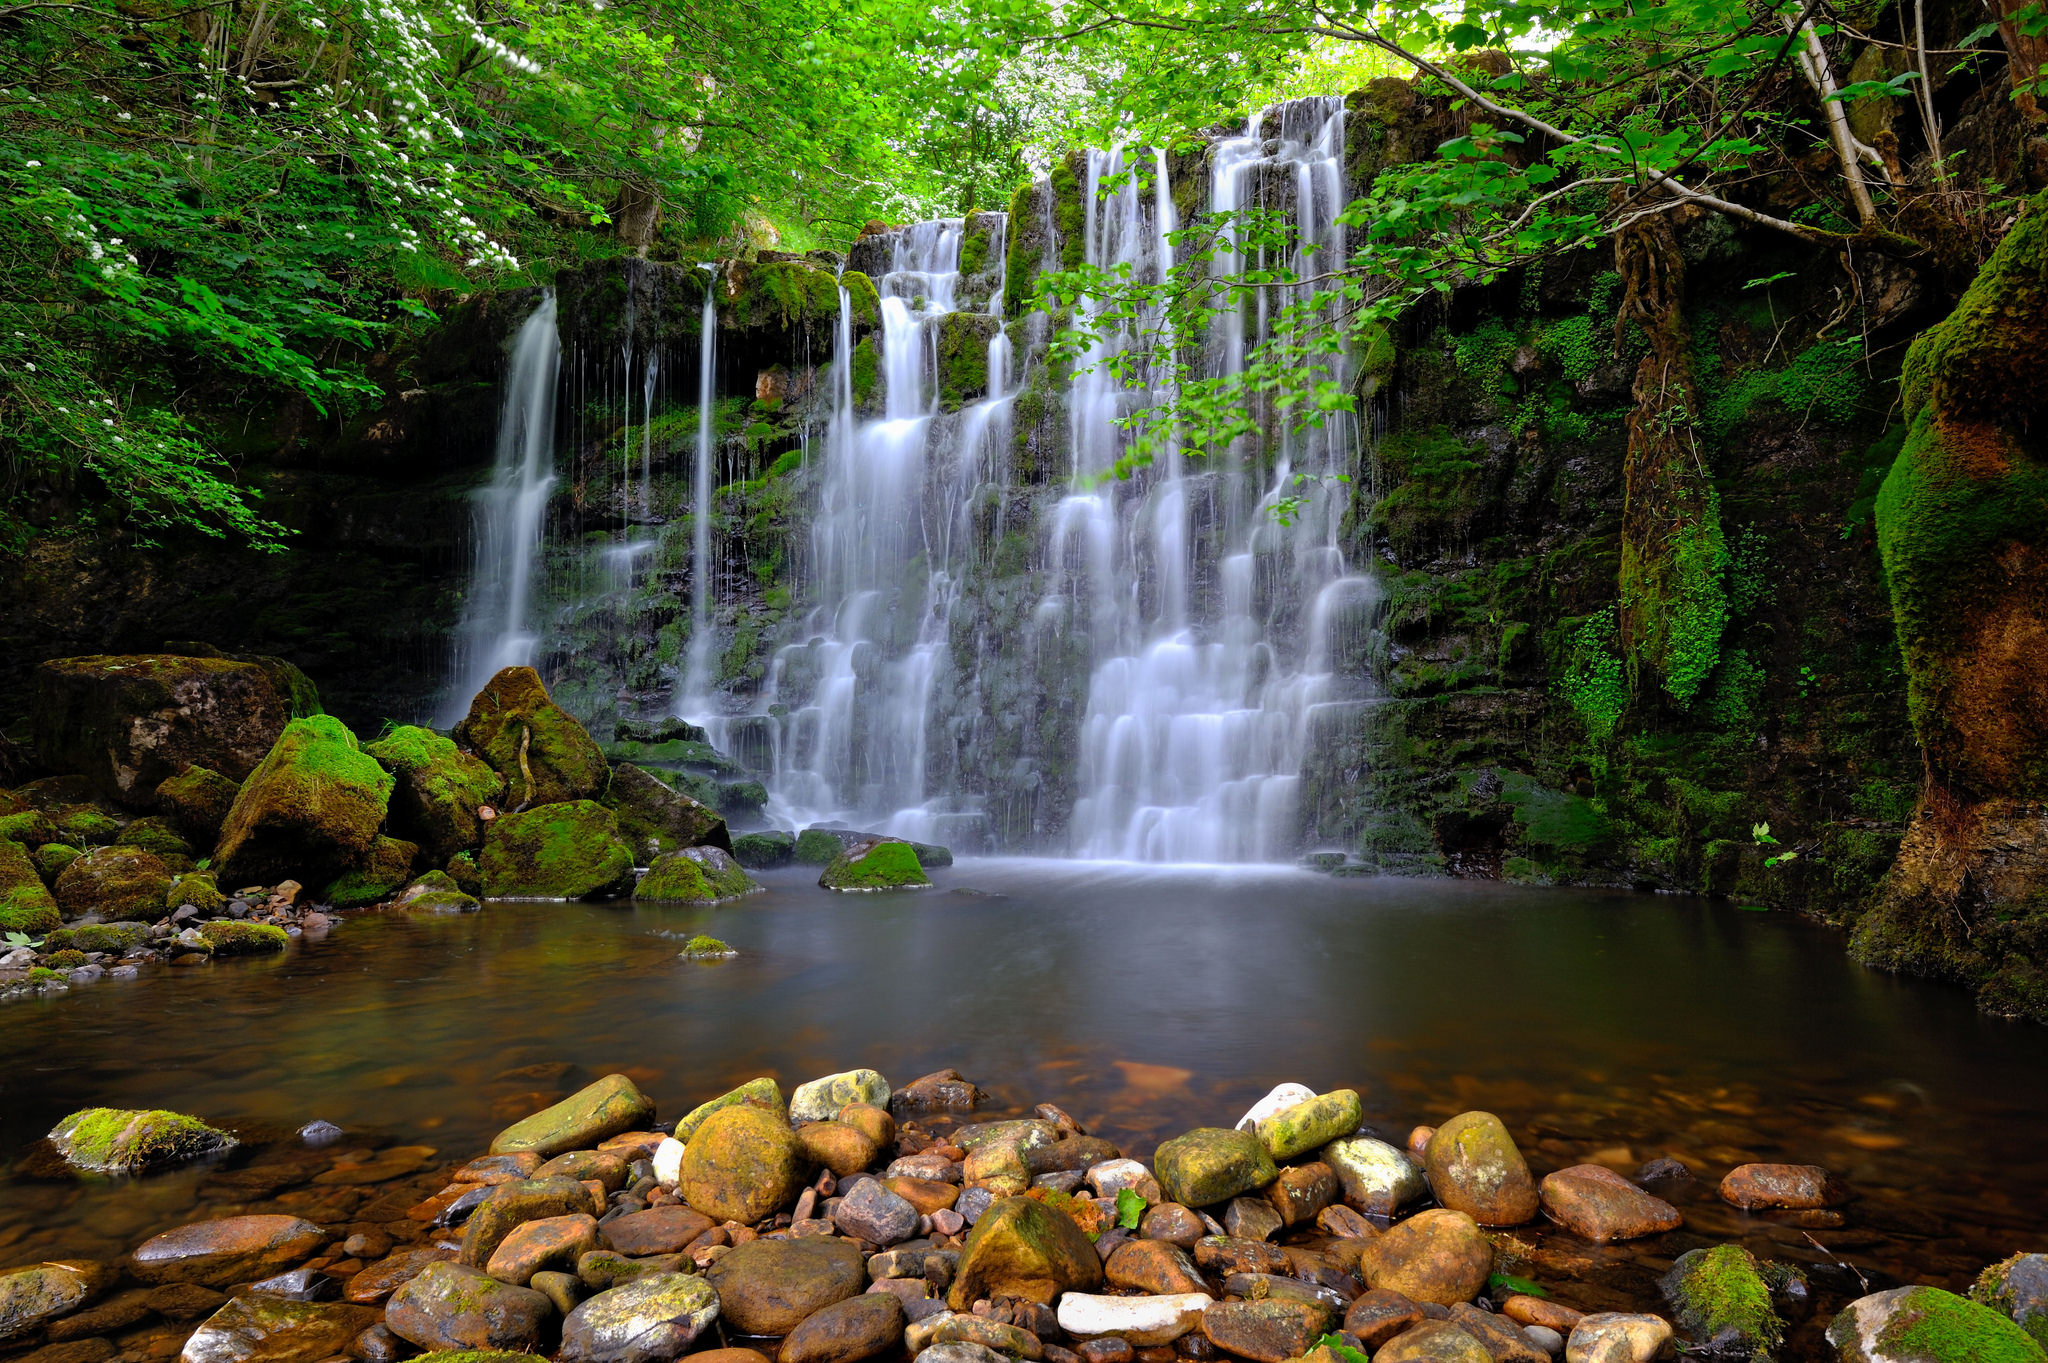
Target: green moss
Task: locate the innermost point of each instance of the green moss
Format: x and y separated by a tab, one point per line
155	834
963	358
700	945
116	883
867	370
1994	1291
694	875
540	750
863	300
816	847
51	859
463	870
385	873
114	1140
86	826
439	789
198	889
198	801
1576	345
1679	599
1944	1328
1723	1290
875	866
569	850
1595	680
29	827
310	810
1069	213
1434	477
112	938
784	295
42	974
64	960
244	939
1019	268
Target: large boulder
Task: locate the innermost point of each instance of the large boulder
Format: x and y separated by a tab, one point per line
875	864
454	1306
1439	1256
233	1249
1476	1168
266	1329
612	1105
439	790
109	1140
197	801
115	883
309	812
657	818
556	851
741	1165
649	1320
1210	1165
768	1287
543	754
694	875
127	723
1021	1247
25	904
41	1292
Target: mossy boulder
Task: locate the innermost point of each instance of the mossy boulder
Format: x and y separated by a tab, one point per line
435	892
594	1113
85	825
29	827
2018	1289
1720	1295
1208	1165
310	811
762	1093
823	1099
25	903
52	857
244	939
37	1293
570	850
1021	1247
656	818
159	835
463	870
114	882
875	864
110	1140
113	938
197	801
742	1164
695	875
384	874
439	790
197	888
543	754
1928	1325
822	846
765	851
128	723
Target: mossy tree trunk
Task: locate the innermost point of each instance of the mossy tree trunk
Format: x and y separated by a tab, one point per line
1963	527
1673	601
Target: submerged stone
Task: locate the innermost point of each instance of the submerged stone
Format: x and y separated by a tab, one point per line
118	1141
42	1292
269	1329
233	1249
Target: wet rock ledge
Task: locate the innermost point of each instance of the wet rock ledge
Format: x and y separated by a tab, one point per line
852	1221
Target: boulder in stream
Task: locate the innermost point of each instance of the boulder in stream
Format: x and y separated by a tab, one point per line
570	850
115	883
694	875
439	790
310	812
25	904
875	864
657	818
109	1140
543	754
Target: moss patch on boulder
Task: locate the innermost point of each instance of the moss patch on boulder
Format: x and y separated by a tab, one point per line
657	818
543	754
198	889
695	875
118	1141
439	790
30	827
157	834
388	869
435	892
244	939
112	938
1723	1291
197	801
114	882
52	857
310	811
875	865
570	850
25	904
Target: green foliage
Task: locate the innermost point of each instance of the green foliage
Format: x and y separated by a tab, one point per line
1501	1284
1130	1207
1723	1290
1595	680
1939	1325
1336	1345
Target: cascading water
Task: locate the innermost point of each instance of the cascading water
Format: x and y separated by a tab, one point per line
697	679
495	631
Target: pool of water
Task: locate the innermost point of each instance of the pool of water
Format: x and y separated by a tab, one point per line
1600	1025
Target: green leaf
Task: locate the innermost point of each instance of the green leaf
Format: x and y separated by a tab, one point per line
1497	1283
1130	1206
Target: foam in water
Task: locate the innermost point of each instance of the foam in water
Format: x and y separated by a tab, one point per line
495	632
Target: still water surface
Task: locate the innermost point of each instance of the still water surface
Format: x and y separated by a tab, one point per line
1143	1000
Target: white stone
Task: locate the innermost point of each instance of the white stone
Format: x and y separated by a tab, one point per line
821	1099
1378	1179
668	1162
1616	1337
1286	1096
1113	1176
1144	1321
20	956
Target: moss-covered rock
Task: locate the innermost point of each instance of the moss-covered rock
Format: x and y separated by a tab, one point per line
570	850
114	882
1021	1247
29	827
25	903
158	835
463	870
64	960
113	938
116	1141
1310	1125
197	801
1720	1294
52	857
435	892
543	754
707	948
2017	1288
1475	1167
309	812
197	888
695	875
1208	1165
386	871
41	1292
822	846
657	818
1928	1325
741	1165
595	1113
875	864
244	939
763	1093
439	790
765	851
85	825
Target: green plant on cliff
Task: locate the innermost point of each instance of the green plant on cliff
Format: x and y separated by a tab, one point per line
1595	679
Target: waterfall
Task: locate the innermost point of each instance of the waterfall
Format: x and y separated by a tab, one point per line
697	679
495	632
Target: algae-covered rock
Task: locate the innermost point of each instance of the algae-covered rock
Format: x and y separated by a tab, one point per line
765	851
260	1328
197	888
2017	1288
129	723
43	1292
197	800
543	754
1302	1127
1020	1247
822	846
560	851
649	1320
386	871
769	1287
1378	1178
741	1165
435	892
762	1093
29	827
821	1099
1209	1165
1928	1325
113	938
309	812
439	790
85	825
875	864
25	903
511	1205
594	1113
1475	1167
1720	1296
695	875
657	818
110	1140
455	1306
114	882
52	857
244	939
463	870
